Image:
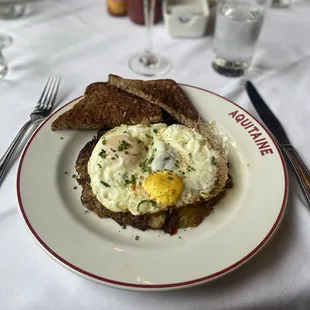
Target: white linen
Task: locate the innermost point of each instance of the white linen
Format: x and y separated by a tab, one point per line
78	40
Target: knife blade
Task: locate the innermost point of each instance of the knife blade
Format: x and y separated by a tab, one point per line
301	172
266	114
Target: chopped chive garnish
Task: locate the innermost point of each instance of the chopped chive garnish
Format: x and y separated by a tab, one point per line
104	141
213	160
154	204
103	154
105	184
123	145
155	130
74	176
132	180
145	165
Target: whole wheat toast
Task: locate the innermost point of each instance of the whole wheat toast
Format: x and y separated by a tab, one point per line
165	93
104	105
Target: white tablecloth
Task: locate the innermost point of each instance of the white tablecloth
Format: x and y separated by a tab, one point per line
78	40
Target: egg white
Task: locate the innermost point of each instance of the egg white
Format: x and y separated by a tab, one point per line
152	148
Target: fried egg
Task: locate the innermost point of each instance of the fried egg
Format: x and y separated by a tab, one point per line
148	168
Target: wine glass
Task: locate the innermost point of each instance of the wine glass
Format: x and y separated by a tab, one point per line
5	41
147	63
12	9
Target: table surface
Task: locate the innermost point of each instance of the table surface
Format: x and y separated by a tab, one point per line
78	40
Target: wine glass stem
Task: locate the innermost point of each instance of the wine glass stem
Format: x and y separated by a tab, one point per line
149	11
3	66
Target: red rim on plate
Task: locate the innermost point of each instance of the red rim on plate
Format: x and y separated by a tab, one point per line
154	286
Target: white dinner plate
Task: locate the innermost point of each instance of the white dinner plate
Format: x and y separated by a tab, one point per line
100	250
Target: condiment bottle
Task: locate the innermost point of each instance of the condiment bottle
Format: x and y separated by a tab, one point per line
135	11
117	7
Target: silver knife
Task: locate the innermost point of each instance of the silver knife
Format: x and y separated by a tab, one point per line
301	172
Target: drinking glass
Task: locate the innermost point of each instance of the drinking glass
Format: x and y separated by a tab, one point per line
238	24
147	63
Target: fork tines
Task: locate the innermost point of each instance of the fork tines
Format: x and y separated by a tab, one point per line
49	93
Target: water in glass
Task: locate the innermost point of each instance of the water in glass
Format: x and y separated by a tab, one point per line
237	29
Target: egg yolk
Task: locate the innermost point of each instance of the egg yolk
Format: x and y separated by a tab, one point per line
164	187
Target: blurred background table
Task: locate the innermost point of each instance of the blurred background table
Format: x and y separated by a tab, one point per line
78	40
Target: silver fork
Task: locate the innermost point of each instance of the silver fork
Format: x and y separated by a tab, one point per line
41	111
